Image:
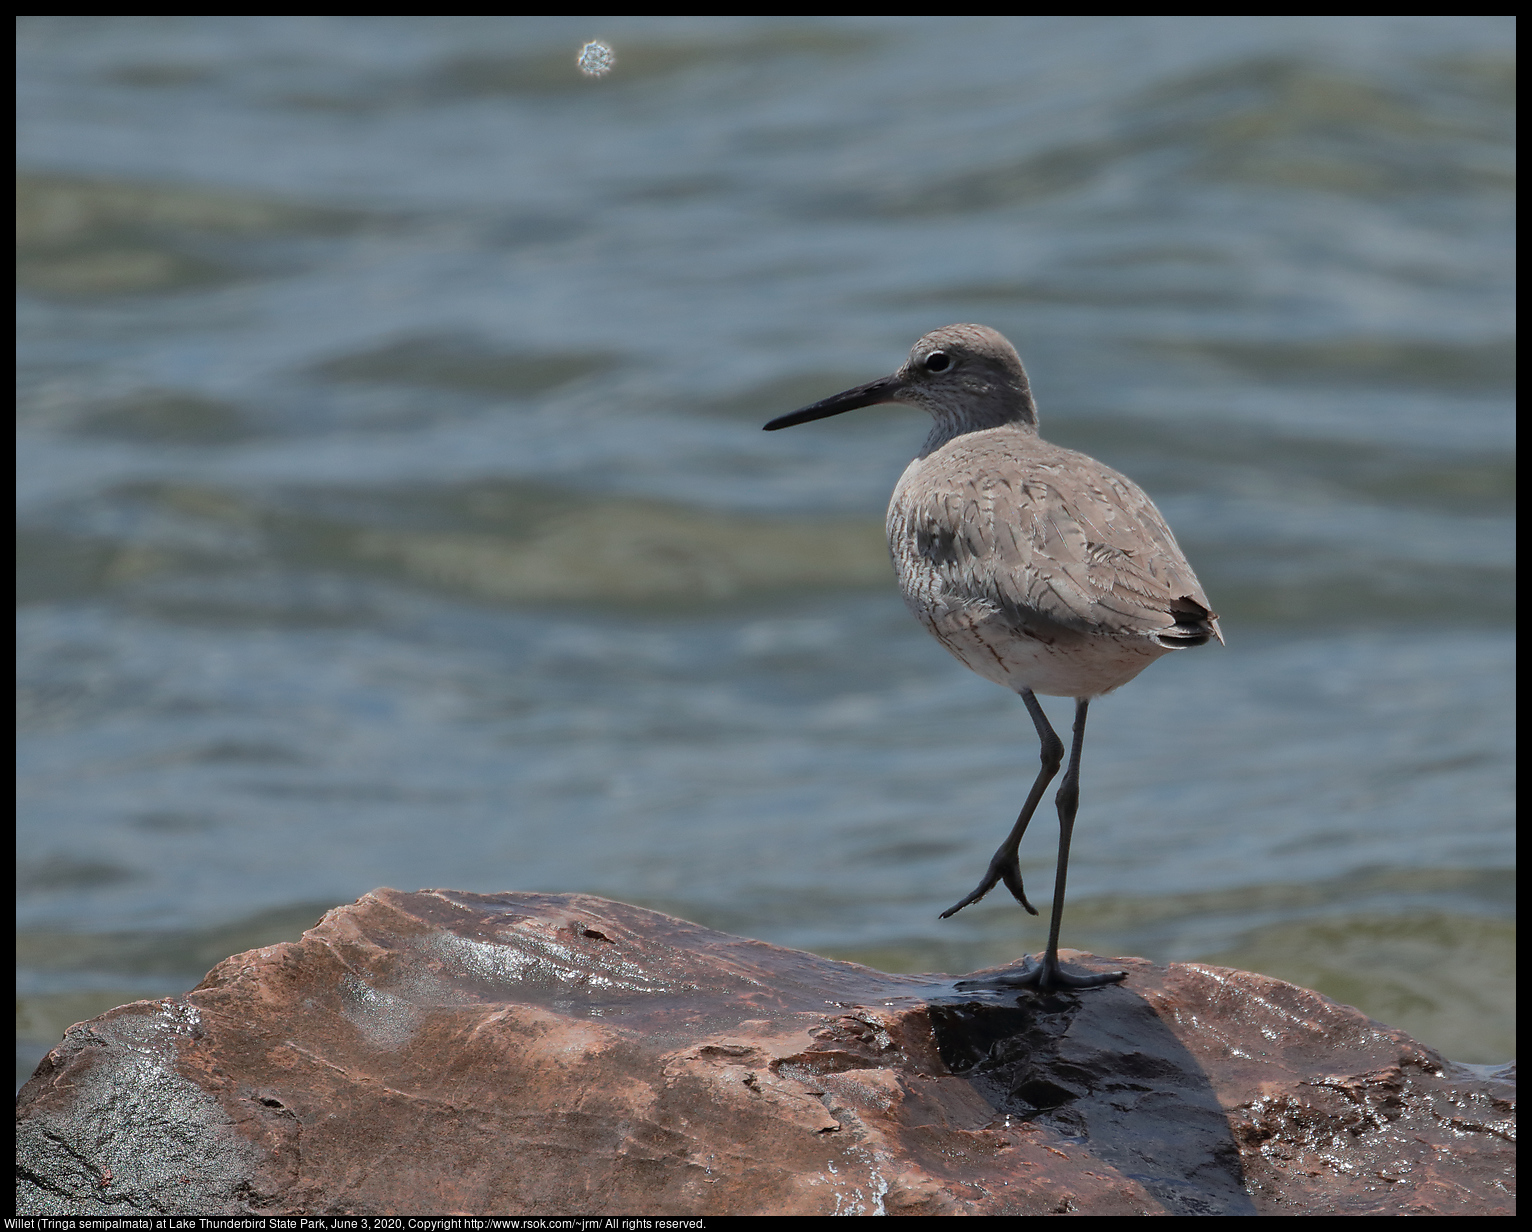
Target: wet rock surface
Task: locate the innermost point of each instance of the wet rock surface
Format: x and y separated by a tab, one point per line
445	1052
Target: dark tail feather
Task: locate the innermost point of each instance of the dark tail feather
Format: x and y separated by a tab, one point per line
1195	625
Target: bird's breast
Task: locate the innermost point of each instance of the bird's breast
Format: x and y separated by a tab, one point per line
970	554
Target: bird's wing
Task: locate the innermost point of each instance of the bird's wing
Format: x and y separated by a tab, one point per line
1062	537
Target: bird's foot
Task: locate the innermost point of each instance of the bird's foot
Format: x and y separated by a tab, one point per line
1003	866
1045	975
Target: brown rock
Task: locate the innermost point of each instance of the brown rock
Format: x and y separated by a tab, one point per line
444	1052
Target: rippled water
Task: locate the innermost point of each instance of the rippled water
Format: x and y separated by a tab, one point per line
394	506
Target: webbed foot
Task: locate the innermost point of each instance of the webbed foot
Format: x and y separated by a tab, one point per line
1003	866
1045	975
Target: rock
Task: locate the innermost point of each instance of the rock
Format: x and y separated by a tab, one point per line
445	1052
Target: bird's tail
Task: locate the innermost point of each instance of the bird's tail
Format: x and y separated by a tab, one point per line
1196	625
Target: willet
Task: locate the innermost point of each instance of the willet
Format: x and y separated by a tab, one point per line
1037	567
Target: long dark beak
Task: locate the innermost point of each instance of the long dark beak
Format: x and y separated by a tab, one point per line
884	389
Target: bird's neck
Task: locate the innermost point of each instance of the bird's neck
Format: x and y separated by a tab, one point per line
1015	412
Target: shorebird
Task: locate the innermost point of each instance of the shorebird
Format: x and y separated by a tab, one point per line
1037	567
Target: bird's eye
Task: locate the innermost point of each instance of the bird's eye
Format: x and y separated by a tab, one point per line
938	361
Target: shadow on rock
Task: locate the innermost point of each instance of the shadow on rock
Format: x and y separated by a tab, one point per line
1102	1070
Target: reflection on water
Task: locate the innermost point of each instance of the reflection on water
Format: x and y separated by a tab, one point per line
395	510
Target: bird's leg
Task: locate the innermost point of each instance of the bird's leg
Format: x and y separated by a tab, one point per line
1003	865
1048	974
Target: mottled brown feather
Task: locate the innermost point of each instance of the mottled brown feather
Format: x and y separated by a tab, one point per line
1035	530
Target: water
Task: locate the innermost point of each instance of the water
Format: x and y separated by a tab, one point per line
395	511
